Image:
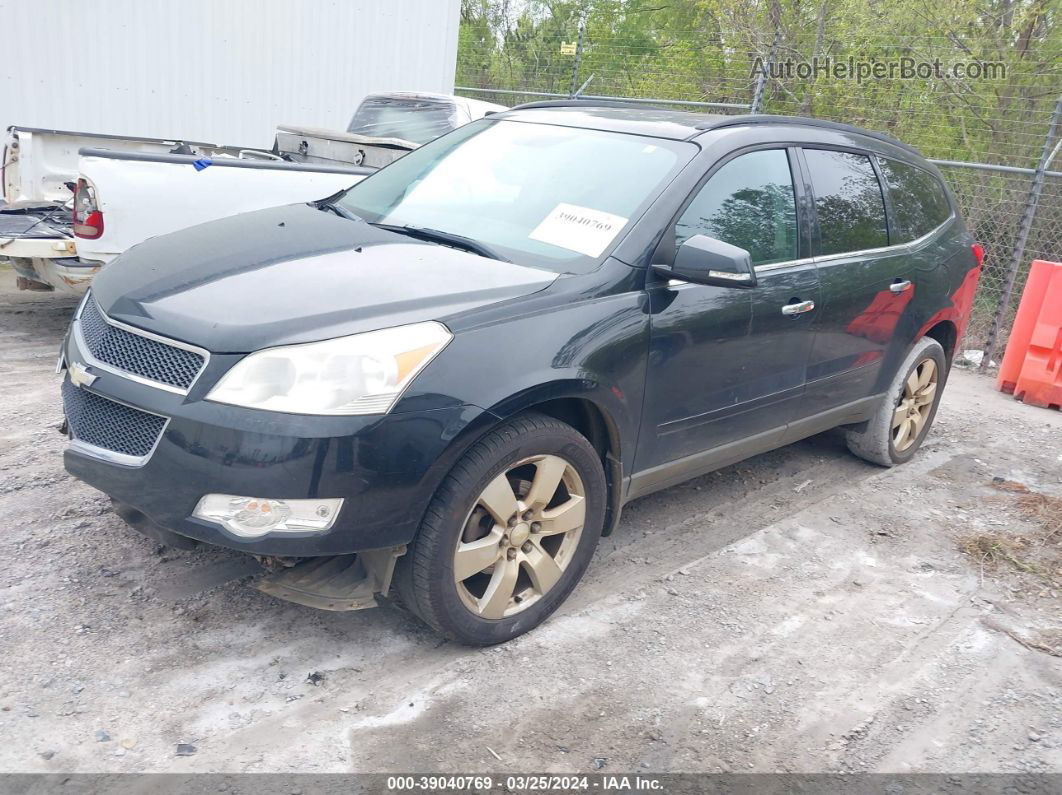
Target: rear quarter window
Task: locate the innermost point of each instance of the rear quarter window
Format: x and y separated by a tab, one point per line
848	201
919	204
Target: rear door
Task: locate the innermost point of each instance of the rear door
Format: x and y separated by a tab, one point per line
866	283
726	364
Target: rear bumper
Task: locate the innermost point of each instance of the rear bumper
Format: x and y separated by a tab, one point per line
66	274
37	247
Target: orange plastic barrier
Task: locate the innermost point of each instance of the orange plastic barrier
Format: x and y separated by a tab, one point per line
1032	365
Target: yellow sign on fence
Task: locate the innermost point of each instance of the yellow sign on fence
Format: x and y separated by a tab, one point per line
567	48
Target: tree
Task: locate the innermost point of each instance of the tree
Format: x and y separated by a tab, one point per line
705	50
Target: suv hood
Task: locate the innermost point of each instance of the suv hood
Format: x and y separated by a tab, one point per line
296	274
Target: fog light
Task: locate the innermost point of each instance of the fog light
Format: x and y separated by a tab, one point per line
251	517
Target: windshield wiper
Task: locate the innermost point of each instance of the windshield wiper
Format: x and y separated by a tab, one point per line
446	238
327	204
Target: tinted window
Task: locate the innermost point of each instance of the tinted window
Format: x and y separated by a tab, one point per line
749	202
918	202
848	201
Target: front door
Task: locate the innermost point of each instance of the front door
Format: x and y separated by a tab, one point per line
727	364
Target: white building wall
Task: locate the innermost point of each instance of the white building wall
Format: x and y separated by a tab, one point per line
224	71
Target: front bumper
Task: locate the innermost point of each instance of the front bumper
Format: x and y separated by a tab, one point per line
385	468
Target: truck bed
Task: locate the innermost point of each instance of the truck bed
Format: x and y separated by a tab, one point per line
34	222
334	147
150	186
39	163
142	195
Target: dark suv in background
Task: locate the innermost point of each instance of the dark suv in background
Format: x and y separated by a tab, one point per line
446	381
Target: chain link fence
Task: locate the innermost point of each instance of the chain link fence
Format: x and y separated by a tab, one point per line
992	135
993	204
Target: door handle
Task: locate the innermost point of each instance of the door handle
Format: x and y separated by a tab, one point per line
798	308
900	285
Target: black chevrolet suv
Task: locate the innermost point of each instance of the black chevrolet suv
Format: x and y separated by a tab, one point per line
446	381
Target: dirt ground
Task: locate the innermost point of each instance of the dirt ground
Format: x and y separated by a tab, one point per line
802	611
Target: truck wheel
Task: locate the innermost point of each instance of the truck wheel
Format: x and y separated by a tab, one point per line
508	534
905	413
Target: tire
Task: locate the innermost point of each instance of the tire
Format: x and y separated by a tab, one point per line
467	511
881	441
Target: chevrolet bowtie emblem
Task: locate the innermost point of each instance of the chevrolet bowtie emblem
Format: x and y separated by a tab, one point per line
80	375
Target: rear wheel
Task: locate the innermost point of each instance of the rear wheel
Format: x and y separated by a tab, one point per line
508	534
906	411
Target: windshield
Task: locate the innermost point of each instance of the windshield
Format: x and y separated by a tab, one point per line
543	195
416	120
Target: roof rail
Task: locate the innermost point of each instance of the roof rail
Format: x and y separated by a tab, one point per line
720	122
766	118
580	103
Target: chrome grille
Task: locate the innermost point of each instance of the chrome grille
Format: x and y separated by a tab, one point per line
134	353
112	426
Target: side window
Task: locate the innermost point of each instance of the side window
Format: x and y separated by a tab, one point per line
750	203
848	201
918	200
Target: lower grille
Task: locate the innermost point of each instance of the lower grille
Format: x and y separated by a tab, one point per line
108	425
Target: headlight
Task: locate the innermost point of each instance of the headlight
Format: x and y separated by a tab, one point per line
360	374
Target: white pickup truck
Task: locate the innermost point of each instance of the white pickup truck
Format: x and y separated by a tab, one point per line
74	201
38	170
123	198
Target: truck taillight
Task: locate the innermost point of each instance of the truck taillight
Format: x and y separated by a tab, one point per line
979	254
88	219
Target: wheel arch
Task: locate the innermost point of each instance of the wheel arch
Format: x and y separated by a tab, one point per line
566	401
571	405
947	334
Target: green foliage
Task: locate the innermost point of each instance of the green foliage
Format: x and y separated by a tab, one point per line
705	50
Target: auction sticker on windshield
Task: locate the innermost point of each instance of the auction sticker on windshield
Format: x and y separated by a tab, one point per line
578	229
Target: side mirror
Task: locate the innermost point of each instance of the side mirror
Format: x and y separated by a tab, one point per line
705	260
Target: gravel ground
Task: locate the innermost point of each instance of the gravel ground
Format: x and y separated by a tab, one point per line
802	611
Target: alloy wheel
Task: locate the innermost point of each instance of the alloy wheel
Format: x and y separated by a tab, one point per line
519	536
915	404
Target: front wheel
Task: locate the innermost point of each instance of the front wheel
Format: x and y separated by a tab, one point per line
508	534
906	411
